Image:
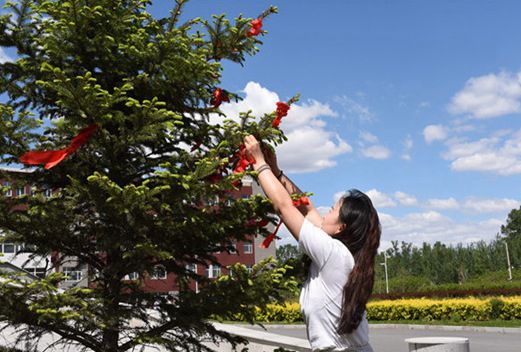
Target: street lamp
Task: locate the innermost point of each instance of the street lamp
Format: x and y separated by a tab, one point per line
508	263
386	277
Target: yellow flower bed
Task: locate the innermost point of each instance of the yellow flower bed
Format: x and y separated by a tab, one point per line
456	309
290	313
506	308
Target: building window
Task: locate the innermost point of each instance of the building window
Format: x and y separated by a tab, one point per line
233	248
25	248
133	276
213	201
7	247
47	192
192	267
159	273
72	274
8	192
248	247
249	268
39	272
216	271
20	191
213	271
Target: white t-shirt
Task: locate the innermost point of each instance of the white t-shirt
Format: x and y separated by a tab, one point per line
321	295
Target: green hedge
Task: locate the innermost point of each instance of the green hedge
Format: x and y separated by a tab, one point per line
473	309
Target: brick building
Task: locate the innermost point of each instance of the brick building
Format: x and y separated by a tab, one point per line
18	256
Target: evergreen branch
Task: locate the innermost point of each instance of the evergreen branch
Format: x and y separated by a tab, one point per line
176	12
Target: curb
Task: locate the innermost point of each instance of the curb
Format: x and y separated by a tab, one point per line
489	329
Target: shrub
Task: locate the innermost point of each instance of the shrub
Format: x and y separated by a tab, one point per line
447	309
450	293
455	309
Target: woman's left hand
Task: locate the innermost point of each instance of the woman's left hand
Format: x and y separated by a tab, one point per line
254	149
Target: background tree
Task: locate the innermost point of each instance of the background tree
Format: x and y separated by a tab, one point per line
135	195
286	252
512	232
413	268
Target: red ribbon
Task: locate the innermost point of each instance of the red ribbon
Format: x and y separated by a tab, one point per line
219	95
245	160
267	241
282	110
301	201
52	158
255	29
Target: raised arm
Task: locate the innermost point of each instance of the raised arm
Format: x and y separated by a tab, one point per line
309	211
274	190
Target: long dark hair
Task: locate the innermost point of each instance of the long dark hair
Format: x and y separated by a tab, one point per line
361	236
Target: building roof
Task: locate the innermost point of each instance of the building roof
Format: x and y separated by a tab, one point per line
12	169
12	267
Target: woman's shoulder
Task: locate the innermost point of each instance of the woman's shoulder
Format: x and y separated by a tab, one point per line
341	252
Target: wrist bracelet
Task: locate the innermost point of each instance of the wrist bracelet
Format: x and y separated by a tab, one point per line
263	168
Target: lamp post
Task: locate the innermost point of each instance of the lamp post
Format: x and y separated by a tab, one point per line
386	277
508	263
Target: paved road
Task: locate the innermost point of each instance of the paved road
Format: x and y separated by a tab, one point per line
383	338
392	339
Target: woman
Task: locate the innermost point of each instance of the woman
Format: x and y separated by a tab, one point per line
342	247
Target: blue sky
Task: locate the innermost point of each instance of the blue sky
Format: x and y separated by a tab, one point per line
415	102
419	103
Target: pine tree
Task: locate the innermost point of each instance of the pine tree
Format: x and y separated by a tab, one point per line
136	193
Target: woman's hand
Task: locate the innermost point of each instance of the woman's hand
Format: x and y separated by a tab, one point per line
253	148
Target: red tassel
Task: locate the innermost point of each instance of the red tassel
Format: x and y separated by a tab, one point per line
52	158
282	110
256	26
219	96
301	201
245	160
267	241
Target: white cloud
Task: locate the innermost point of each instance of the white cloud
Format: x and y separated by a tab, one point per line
354	108
376	152
310	146
432	226
405	199
310	149
370	148
368	137
433	133
407	146
4	57
338	195
499	154
503	205
489	96
380	199
257	98
446	203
